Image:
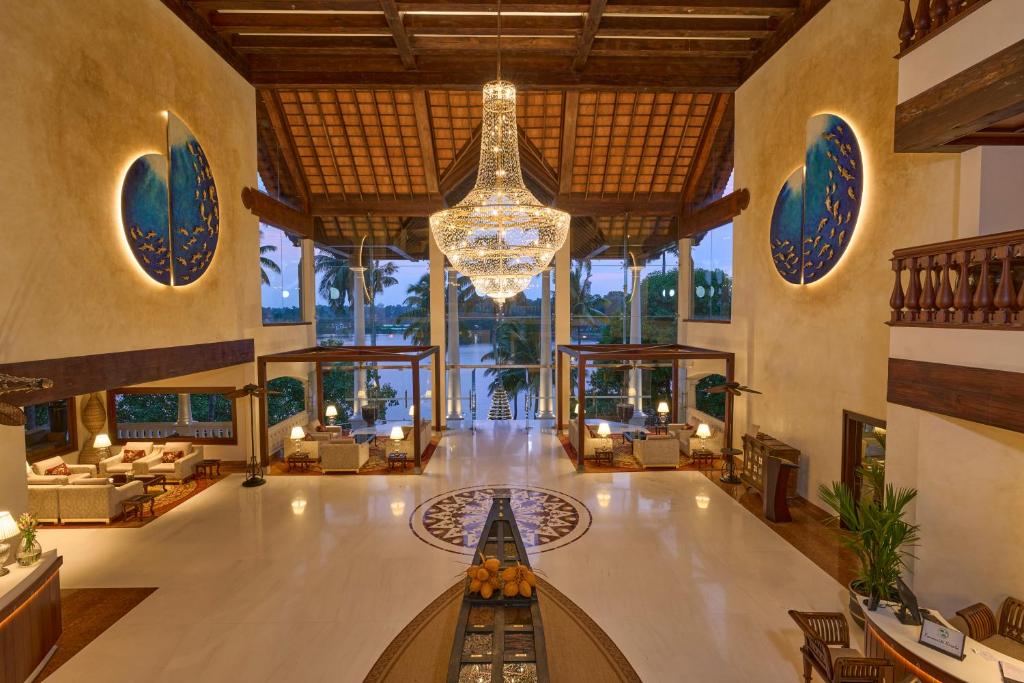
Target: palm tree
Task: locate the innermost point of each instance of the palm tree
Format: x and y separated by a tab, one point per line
378	278
583	304
267	263
334	275
515	343
417	319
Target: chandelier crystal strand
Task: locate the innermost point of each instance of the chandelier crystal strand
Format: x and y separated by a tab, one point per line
499	235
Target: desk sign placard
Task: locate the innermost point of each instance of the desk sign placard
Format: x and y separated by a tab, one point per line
942	638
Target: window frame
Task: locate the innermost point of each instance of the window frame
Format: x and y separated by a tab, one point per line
207	441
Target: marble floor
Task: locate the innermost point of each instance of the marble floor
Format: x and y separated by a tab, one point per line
309	578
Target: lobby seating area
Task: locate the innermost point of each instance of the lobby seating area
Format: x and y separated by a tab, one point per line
1003	632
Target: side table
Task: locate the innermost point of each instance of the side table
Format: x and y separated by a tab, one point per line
396	458
702	457
206	468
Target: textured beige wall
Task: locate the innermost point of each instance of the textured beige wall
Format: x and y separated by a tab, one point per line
817	349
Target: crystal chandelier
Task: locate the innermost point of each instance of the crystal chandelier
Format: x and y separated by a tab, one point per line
499	235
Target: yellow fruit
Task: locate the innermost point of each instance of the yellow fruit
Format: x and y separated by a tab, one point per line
491	564
494	581
474	586
509	590
471	571
483	574
524	589
486	591
509	574
530	578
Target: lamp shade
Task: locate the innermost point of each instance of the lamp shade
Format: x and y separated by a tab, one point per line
8	527
298	432
397	434
331	411
361	393
101	441
576	409
663	408
703	431
428	393
603	429
412	411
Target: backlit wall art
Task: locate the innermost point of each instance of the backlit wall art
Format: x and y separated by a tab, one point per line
170	211
816	211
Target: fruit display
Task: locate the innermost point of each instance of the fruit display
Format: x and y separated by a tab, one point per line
488	579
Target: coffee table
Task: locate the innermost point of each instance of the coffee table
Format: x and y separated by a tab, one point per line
701	457
396	458
205	468
152	480
137	505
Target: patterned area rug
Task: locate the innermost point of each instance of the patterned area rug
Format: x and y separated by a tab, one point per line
623	460
175	495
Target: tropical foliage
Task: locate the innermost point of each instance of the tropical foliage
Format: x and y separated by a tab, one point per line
516	342
267	263
712	404
163	407
290	400
339	389
416	317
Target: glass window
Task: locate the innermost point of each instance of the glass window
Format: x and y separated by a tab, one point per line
202	416
712	404
280	274
50	429
712	275
290	400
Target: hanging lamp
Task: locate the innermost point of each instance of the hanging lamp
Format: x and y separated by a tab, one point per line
499	235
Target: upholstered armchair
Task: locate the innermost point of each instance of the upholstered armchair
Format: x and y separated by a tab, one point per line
682	432
179	470
95	503
36	474
657	450
344	455
1005	635
115	464
827	650
44	502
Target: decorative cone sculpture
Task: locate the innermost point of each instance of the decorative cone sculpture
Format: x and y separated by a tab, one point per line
500	409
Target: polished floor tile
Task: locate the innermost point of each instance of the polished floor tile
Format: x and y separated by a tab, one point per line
309	578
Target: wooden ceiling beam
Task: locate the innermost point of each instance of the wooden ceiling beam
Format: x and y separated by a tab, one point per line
590	27
702	152
286	22
394	19
772	8
615	26
567	146
463	165
421	111
286	144
713	215
352	206
275	212
674	49
297	5
658	204
202	28
787	28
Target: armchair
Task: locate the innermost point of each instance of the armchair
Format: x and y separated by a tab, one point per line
179	470
343	456
827	650
36	475
591	444
115	464
657	450
44	502
97	503
1006	635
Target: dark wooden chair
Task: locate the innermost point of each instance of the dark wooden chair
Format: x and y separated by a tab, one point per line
1006	634
827	650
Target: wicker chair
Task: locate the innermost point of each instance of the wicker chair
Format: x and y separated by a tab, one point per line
1006	635
827	650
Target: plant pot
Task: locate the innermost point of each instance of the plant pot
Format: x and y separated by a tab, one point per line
857	597
29	552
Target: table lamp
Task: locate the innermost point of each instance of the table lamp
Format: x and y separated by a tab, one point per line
102	443
703	433
576	409
8	529
331	413
297	435
397	435
663	412
412	411
603	430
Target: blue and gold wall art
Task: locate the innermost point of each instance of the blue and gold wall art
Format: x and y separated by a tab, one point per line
818	206
170	210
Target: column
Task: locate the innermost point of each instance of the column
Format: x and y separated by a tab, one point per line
636	386
359	330
544	403
454	404
184	410
563	326
437	327
684	310
307	284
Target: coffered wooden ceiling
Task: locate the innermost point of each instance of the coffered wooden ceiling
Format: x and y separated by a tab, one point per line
368	110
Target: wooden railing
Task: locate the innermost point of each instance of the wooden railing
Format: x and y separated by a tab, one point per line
930	17
976	283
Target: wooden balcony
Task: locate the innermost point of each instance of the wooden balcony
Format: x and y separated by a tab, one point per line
923	19
973	283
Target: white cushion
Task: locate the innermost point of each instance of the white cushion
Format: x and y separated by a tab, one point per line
28	468
43	465
183	446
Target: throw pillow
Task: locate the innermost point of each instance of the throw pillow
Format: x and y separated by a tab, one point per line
321	428
132	455
171	456
61	469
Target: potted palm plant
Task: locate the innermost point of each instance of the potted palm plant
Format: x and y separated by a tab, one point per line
874	529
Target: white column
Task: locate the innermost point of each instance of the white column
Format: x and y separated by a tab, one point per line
545	406
563	327
454	404
307	284
359	330
636	385
437	326
684	310
184	410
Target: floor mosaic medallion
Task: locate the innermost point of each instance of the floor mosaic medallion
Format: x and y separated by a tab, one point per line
453	520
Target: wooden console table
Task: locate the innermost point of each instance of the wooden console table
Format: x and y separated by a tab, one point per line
30	618
755	450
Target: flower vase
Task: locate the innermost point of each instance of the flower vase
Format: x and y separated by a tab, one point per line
29	552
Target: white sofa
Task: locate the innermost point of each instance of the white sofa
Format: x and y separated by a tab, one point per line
657	450
100	502
115	464
344	455
36	474
44	502
179	470
591	443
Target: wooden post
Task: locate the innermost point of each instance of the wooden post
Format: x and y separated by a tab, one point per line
436	399
581	386
730	376
674	406
320	392
416	414
261	380
560	417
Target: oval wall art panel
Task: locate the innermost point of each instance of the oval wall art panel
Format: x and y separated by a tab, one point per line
828	189
170	210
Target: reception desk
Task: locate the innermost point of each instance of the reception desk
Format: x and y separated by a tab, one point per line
886	637
30	620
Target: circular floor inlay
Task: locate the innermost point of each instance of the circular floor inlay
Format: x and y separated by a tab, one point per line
453	520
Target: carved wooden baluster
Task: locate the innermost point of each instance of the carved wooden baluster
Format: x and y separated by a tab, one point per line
944	297
983	291
906	26
962	302
896	300
928	294
914	290
938	12
1005	301
923	20
952	8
